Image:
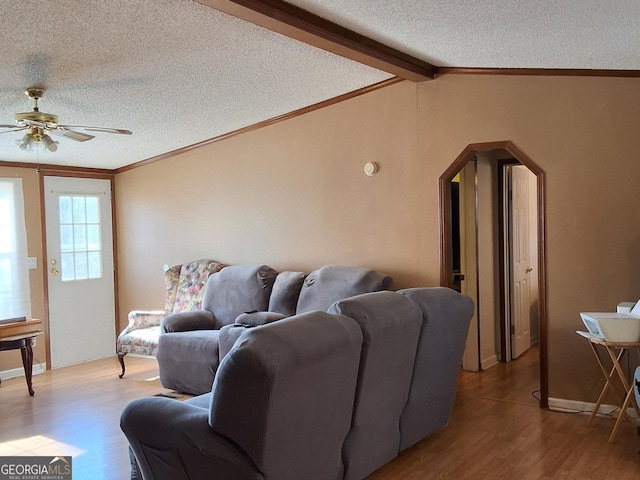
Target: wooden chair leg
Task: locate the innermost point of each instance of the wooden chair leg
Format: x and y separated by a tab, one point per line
121	360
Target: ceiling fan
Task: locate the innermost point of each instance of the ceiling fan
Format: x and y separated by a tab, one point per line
39	124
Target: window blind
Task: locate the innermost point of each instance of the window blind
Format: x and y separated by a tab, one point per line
15	298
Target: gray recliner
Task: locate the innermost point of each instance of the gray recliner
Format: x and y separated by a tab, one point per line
187	354
280	409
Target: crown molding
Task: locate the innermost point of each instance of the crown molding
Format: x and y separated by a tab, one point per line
265	123
61	170
561	72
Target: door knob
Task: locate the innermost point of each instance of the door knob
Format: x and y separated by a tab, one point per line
528	270
54	270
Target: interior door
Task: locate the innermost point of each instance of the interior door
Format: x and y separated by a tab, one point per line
80	269
520	260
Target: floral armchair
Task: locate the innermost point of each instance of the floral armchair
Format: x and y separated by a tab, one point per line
185	287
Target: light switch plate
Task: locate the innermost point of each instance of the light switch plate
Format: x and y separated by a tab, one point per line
32	263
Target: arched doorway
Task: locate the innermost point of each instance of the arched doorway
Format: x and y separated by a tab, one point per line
446	234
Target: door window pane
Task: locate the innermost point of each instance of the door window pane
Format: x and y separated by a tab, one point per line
80	238
93	238
65	210
67	269
66	238
80	259
80	243
94	264
93	210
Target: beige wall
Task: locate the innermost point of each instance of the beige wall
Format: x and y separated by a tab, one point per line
293	195
582	133
31	191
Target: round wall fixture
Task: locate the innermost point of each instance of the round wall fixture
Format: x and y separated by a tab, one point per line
370	169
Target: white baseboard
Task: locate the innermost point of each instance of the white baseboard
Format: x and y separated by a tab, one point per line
37	369
489	362
564	405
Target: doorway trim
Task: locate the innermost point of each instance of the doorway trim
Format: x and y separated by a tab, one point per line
446	247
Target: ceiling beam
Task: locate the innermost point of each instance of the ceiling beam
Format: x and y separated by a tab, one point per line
296	23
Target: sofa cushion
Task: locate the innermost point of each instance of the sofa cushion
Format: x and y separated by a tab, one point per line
189	360
238	289
334	282
285	293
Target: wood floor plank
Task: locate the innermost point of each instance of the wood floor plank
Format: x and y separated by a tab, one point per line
496	430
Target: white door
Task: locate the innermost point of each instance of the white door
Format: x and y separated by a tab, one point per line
80	269
520	261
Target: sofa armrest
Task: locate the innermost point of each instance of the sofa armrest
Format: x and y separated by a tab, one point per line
254	319
173	440
139	319
187	321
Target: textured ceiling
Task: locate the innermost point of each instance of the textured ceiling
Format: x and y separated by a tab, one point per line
564	34
177	73
172	71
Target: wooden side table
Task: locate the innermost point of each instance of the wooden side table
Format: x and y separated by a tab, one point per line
20	335
610	376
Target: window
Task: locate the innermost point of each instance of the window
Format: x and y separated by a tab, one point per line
80	246
15	298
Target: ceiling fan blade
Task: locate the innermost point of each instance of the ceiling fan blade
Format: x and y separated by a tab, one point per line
13	128
118	131
71	134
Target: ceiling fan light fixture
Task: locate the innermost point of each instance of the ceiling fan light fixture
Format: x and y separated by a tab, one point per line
49	144
26	142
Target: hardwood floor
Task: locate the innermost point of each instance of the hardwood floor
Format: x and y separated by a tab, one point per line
496	431
76	411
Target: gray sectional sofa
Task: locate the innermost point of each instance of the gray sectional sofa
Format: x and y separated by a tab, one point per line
193	343
320	395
